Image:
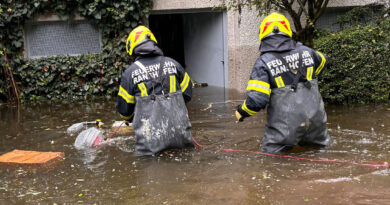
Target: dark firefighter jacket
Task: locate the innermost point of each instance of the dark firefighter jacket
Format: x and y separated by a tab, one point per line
271	72
135	82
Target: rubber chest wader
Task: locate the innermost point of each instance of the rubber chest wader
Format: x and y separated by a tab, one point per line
161	121
295	115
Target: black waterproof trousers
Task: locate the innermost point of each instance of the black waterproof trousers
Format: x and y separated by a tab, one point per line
161	122
295	117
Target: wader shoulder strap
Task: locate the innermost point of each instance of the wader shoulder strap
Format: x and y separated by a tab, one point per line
160	74
160	77
140	65
141	86
299	74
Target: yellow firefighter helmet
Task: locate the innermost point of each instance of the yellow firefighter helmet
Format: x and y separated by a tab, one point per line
138	36
275	23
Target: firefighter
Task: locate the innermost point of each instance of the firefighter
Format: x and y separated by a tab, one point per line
284	77
152	95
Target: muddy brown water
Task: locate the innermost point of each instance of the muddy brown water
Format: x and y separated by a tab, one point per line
114	174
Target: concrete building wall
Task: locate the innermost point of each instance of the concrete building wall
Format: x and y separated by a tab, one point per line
242	32
347	3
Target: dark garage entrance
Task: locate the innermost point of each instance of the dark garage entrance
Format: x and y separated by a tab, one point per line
195	40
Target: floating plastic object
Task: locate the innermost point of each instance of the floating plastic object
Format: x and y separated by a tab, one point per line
89	138
75	128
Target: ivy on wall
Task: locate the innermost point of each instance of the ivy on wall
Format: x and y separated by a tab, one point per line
68	77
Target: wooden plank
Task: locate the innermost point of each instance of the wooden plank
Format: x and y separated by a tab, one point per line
30	158
124	129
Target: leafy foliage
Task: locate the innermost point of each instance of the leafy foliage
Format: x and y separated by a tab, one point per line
66	77
361	15
359	64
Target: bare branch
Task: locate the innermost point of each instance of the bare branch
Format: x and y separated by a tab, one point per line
320	11
291	3
318	4
277	4
296	18
303	7
310	8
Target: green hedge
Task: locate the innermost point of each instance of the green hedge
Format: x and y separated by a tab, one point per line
359	64
66	77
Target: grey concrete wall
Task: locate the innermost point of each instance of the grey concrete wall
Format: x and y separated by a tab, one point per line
344	3
243	46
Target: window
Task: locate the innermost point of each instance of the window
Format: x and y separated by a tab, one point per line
48	38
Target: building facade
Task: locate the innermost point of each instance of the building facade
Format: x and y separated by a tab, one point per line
219	46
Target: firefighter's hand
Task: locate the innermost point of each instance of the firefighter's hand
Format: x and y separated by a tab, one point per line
239	116
127	122
99	123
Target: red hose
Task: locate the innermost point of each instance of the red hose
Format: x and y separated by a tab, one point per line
115	132
385	164
375	164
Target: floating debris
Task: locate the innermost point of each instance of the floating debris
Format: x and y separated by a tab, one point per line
91	137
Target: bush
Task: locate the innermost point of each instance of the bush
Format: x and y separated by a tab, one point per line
358	68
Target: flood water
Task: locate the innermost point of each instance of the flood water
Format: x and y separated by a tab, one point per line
114	174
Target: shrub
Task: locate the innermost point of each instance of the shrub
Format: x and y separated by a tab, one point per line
358	68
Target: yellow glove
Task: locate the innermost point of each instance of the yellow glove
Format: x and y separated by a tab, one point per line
99	123
126	122
238	116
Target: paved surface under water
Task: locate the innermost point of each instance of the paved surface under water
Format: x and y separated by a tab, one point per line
114	174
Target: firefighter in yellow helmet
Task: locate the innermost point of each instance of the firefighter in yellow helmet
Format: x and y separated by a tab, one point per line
284	77
152	95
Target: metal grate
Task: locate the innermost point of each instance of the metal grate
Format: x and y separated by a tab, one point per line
59	37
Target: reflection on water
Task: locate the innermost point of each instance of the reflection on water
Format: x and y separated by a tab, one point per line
114	174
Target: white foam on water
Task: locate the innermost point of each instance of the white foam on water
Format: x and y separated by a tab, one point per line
335	180
384	172
365	141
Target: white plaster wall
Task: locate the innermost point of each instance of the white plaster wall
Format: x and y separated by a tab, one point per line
343	3
246	49
159	5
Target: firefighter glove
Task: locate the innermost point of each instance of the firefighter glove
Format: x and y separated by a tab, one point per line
241	114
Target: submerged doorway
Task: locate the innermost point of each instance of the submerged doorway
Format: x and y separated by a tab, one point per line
197	41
